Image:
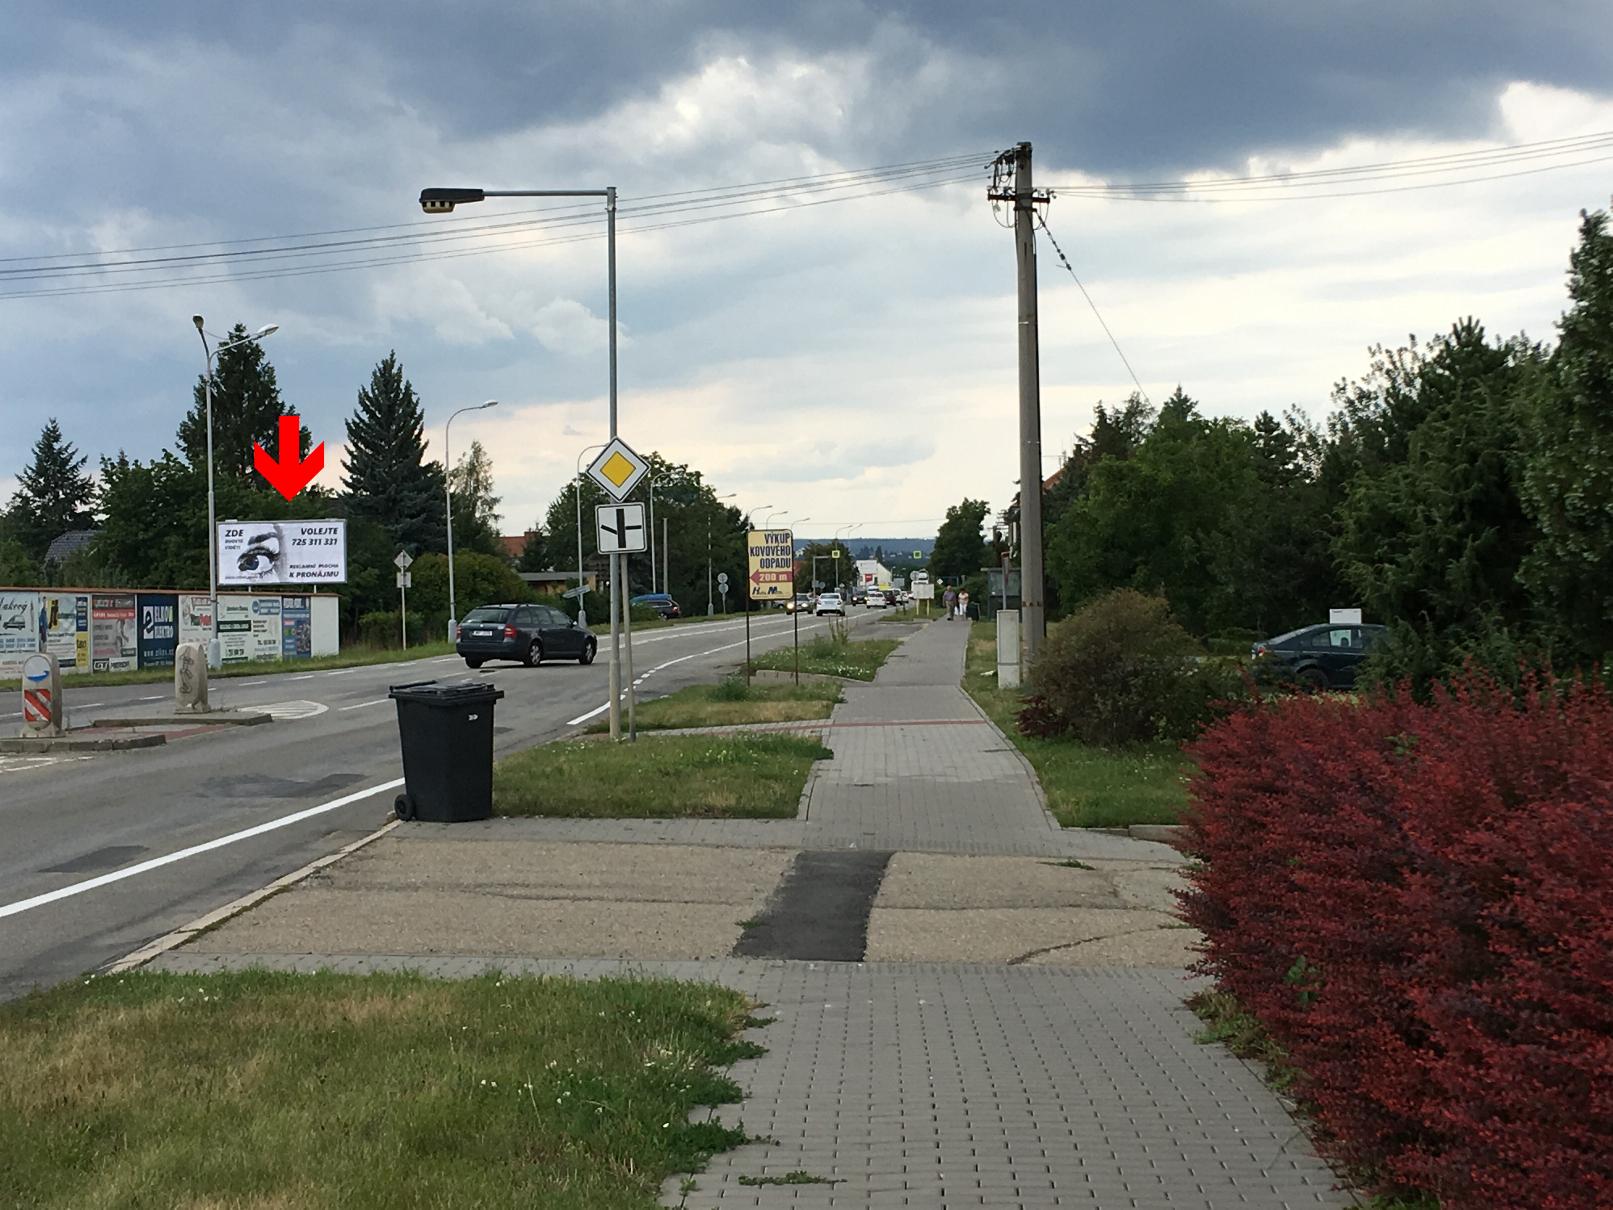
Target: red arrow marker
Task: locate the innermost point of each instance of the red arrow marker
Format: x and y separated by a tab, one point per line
289	474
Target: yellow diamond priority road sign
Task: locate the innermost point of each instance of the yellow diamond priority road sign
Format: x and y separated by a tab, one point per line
771	554
618	469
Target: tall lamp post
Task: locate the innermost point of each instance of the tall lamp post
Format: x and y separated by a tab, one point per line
846	529
208	351
711	607
448	494
443	201
582	587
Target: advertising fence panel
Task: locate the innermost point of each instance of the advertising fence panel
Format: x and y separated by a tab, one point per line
159	629
266	638
195	617
235	629
114	638
19	627
296	628
65	628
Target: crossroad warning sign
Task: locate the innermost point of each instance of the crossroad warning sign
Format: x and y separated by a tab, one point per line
621	528
771	555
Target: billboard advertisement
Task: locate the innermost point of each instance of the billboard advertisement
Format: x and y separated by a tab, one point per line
195	617
266	639
296	628
235	629
262	553
64	628
114	638
159	629
19	626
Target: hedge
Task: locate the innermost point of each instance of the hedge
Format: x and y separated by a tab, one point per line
1416	902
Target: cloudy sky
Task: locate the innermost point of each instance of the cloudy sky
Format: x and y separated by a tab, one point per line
847	362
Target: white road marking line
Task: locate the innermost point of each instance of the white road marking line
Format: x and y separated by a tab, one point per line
307	676
154	698
360	705
346	671
249	684
145	867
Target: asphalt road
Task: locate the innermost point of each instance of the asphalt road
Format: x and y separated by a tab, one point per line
78	833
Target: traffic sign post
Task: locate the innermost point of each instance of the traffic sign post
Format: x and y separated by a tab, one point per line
42	707
620	529
403	560
618	469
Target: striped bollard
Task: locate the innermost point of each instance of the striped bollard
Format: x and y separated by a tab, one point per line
42	706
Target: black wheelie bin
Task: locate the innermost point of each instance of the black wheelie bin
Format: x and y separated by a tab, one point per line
447	734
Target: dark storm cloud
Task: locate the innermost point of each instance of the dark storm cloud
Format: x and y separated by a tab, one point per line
1122	88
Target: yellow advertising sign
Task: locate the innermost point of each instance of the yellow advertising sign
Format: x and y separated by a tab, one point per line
771	555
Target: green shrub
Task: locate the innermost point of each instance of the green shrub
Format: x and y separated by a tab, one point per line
379	628
1122	671
731	689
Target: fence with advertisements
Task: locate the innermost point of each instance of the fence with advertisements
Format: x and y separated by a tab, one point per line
116	630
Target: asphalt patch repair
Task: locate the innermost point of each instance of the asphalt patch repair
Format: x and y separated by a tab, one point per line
820	911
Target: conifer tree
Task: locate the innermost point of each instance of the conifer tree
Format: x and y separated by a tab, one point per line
53	494
387	478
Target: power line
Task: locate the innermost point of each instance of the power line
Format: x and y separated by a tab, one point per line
1043	222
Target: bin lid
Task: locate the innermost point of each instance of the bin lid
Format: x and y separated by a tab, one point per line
446	693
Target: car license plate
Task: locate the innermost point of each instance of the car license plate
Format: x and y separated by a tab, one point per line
483	634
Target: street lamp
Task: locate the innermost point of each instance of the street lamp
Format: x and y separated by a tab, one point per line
448	493
208	351
711	608
847	529
582	590
443	201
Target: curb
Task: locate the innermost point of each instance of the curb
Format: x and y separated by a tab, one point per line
235	907
233	718
81	743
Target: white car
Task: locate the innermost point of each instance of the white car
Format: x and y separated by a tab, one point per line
876	599
830	602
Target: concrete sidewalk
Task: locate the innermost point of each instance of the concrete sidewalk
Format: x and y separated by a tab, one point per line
1014	1036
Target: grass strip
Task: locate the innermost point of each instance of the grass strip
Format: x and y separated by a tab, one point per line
1086	786
660	777
825	656
733	702
357	657
267	1089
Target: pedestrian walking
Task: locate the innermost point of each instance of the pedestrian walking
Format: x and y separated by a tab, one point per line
963	606
949	599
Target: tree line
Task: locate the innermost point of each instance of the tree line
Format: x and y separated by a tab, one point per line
1459	492
151	515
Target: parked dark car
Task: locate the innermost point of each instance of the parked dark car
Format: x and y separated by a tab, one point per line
1317	657
528	634
661	602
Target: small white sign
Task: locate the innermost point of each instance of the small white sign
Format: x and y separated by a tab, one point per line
406	579
403	560
621	529
722	577
618	469
1344	617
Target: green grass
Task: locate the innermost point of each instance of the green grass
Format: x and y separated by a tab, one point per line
825	656
667	776
353	658
268	1090
734	702
1086	786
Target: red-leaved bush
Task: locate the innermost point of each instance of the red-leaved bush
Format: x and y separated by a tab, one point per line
1416	900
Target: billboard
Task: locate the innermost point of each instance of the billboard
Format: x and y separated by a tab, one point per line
254	553
114	640
770	554
296	628
159	629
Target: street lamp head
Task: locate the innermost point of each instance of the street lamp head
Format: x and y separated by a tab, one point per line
442	201
491	403
265	330
197	320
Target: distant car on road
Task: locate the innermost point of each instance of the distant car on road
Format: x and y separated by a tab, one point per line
802	603
1317	657
528	634
830	602
661	602
876	599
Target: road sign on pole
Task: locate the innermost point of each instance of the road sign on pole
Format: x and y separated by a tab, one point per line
771	555
402	560
722	578
618	469
621	528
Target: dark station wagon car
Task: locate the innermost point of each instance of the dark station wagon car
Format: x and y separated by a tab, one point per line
1318	657
526	633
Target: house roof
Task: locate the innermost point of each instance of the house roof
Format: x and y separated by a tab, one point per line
71	542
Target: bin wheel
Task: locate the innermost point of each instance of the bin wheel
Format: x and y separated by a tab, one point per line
534	653
403	807
588	650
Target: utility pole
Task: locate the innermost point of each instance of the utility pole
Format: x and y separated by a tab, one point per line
1033	618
